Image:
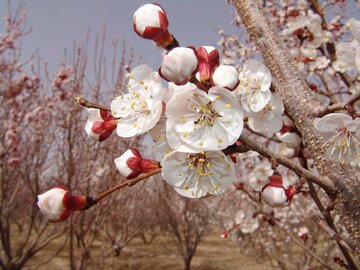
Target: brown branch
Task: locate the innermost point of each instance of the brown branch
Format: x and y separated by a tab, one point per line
337	106
88	104
300	104
320	181
333	235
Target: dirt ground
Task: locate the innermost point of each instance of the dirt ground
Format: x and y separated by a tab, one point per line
213	253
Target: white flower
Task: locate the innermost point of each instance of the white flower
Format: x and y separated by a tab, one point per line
158	134
195	175
225	76
198	121
247	223
269	119
260	176
141	108
179	65
309	30
173	89
130	164
100	124
348	53
342	134
57	203
254	88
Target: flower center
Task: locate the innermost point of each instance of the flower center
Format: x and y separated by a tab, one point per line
207	114
345	144
200	163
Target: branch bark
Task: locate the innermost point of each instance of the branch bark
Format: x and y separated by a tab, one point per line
301	106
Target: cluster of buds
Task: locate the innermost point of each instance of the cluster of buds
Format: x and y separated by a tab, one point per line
58	203
180	64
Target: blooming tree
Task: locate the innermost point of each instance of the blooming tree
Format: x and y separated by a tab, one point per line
213	116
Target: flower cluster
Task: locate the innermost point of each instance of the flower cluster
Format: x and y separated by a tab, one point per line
307	30
348	53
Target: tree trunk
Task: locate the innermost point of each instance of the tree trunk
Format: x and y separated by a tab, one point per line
187	263
301	105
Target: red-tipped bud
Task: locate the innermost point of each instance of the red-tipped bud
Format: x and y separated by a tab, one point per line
274	193
100	124
179	65
303	234
58	203
225	76
208	58
131	164
150	22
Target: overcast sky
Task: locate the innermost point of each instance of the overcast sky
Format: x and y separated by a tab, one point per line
56	24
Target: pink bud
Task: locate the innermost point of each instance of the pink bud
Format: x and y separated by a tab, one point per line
225	76
100	124
58	203
208	58
274	193
150	22
179	65
130	164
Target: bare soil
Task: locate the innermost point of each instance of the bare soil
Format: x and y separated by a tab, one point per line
213	253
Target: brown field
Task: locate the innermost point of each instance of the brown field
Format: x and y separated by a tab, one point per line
213	253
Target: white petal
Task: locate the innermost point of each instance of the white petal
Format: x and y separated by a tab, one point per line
259	101
355	28
274	196
50	203
331	122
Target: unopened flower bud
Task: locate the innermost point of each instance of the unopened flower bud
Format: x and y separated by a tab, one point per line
225	76
100	124
303	233
130	164
274	193
179	65
150	22
58	203
208	58
225	235
290	139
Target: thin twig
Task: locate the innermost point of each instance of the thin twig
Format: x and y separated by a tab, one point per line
88	104
337	106
127	183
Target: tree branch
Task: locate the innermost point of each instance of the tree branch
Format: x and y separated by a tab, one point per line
301	105
320	181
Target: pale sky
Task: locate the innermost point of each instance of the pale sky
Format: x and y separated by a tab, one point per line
56	24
